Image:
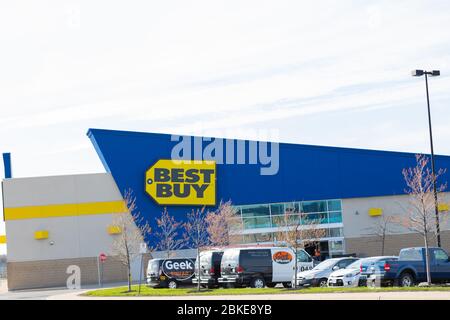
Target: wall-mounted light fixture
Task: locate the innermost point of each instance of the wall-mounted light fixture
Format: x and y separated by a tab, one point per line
375	212
114	229
41	234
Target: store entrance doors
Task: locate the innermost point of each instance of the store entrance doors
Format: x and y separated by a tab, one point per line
318	251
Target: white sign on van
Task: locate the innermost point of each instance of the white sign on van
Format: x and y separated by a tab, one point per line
178	268
282	257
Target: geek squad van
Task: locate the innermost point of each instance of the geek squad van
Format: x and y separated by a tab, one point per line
258	267
170	272
209	268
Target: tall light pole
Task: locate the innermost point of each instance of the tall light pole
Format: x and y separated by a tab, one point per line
434	73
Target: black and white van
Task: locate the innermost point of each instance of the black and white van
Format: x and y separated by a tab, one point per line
258	267
209	268
170	272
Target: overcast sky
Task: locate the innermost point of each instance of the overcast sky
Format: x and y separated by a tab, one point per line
314	72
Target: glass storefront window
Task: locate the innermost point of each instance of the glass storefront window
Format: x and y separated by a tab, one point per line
291	207
259	237
335	217
335	232
336	245
276	209
315	218
257	222
334	205
294	219
235	224
280	220
249	238
264	237
255	210
309	218
273	216
314	206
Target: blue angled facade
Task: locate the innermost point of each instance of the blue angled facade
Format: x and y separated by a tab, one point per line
305	172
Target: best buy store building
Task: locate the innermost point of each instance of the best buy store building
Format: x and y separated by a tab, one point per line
54	222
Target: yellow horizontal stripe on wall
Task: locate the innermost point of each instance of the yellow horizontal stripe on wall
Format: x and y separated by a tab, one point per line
64	210
443	207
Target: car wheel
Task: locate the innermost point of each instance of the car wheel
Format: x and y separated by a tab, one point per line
172	284
258	282
287	284
323	282
406	280
271	285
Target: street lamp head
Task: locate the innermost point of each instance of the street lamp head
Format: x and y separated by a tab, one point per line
417	73
435	73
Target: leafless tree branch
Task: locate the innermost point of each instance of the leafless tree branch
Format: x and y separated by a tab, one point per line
133	230
167	233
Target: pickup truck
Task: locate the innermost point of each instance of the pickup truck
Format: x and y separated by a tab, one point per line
410	268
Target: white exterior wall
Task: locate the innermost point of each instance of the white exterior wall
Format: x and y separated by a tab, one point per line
39	191
357	222
72	237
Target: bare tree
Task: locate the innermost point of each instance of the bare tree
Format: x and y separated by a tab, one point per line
297	230
167	233
311	233
420	216
132	232
381	227
221	224
196	233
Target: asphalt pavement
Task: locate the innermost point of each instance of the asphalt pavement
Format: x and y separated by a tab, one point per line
425	295
44	294
67	294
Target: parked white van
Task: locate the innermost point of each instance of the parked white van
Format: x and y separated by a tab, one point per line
258	266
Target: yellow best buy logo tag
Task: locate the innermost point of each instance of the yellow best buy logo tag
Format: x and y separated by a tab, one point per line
182	182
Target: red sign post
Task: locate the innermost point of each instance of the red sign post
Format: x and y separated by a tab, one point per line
100	261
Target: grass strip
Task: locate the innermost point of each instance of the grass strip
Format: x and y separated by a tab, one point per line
189	291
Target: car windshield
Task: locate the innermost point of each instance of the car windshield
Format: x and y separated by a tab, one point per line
354	265
325	264
154	266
